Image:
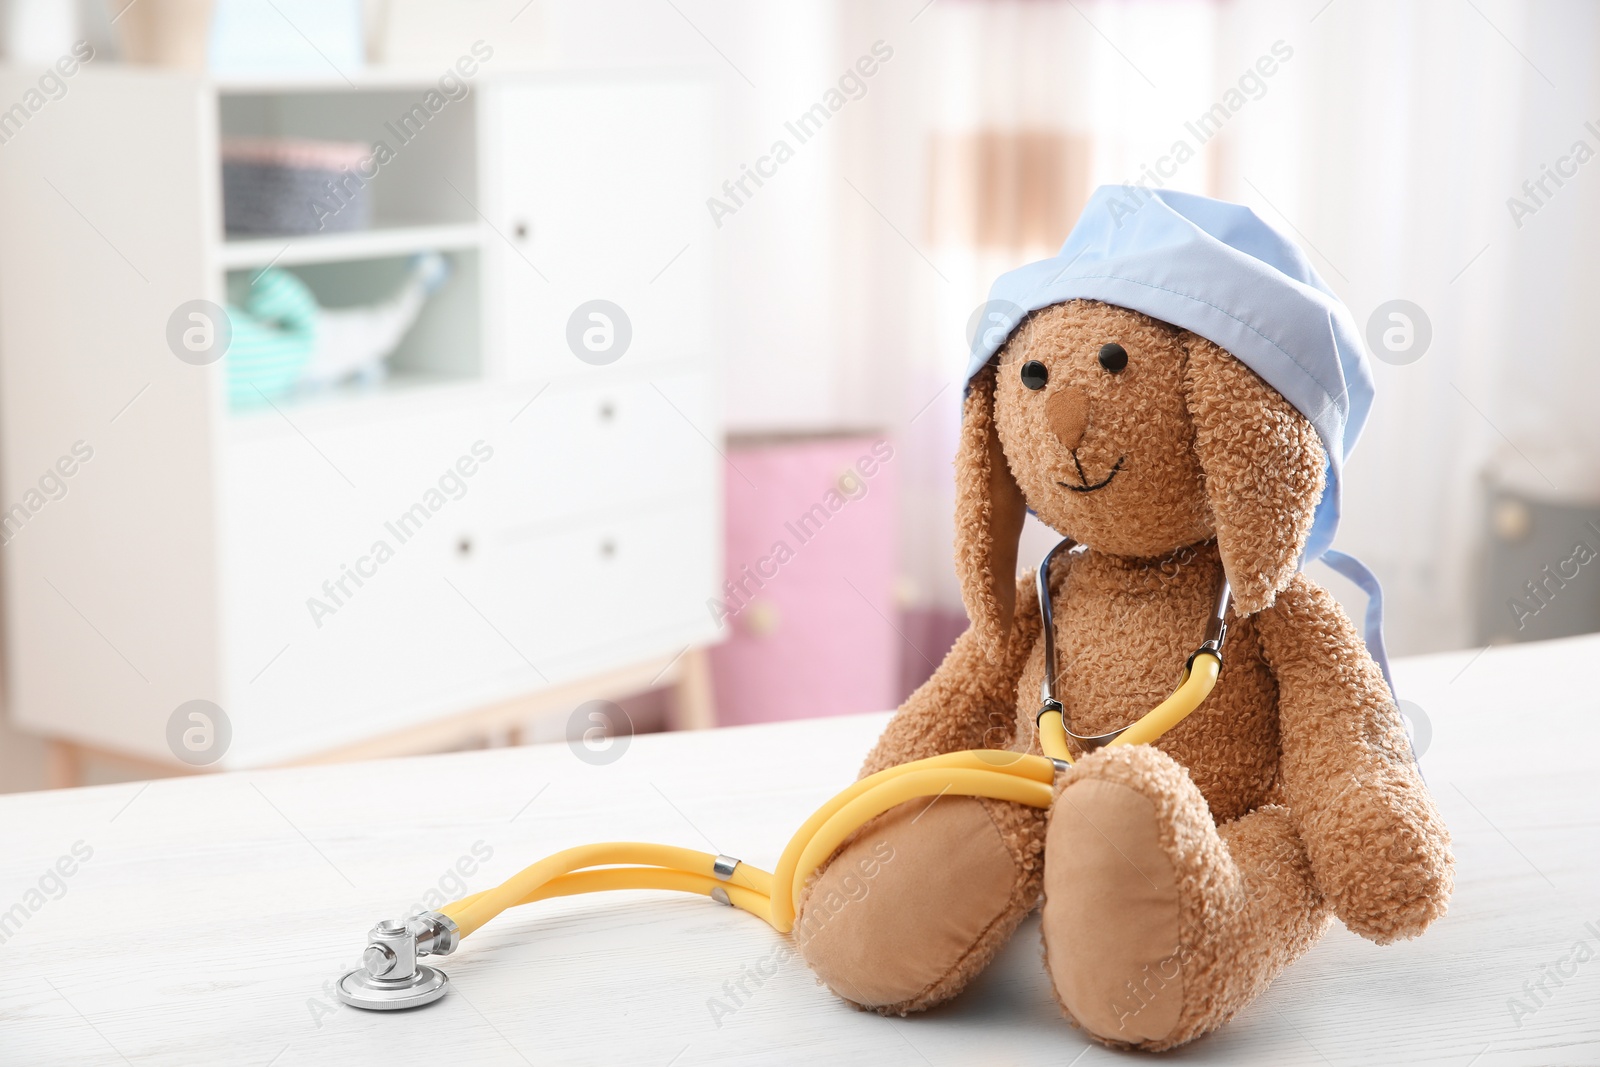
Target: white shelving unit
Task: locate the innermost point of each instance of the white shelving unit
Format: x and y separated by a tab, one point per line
574	562
259	252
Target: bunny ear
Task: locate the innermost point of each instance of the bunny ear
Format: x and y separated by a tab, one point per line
1265	469
989	515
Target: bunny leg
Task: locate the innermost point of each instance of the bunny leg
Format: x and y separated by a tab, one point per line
1158	925
920	900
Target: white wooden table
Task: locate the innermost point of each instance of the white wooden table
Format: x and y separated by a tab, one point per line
213	914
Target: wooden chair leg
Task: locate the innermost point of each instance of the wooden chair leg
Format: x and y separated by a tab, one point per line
63	764
695	704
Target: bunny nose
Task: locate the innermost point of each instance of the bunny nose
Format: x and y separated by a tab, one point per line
1067	408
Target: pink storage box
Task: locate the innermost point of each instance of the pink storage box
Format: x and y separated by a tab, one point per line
809	603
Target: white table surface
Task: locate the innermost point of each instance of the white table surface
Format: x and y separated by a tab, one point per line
215	911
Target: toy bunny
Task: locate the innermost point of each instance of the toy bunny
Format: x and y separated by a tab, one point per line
1178	394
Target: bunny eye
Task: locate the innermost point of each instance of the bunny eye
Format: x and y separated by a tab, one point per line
1113	357
1035	375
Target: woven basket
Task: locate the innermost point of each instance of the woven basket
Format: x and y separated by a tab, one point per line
287	186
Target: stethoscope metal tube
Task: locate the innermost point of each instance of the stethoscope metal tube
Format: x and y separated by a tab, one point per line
1216	633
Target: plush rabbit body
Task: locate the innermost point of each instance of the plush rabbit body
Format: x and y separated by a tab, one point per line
1177	879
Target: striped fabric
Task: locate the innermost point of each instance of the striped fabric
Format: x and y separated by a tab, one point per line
274	324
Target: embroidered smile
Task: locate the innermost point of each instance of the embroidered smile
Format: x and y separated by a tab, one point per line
1084	478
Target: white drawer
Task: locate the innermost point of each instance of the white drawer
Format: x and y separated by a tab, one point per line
604	592
463	612
309	649
596	445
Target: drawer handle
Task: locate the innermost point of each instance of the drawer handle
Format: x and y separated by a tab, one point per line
608	548
608	411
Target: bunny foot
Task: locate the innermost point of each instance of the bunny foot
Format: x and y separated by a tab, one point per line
1158	925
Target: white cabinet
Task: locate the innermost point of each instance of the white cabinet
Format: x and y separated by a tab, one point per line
499	519
600	206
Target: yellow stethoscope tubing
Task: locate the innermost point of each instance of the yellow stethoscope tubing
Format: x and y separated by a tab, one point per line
472	912
998	765
891	794
771	897
774	897
1199	678
608	879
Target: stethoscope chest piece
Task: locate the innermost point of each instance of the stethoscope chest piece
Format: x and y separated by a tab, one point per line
390	978
360	990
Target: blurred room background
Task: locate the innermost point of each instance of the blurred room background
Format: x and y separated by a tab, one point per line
742	509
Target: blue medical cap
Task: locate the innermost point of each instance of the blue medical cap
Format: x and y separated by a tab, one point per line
1217	270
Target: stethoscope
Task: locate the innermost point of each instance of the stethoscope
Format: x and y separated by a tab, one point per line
1216	633
391	975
